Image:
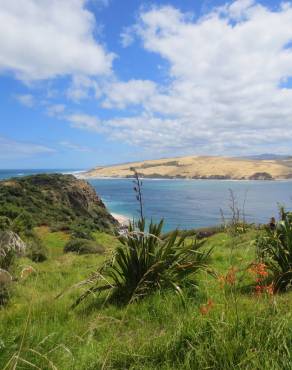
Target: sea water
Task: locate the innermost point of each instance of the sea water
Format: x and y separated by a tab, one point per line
195	203
187	203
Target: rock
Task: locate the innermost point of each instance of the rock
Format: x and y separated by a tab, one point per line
5	277
11	242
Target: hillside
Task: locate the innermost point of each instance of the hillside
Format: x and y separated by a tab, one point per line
59	201
200	167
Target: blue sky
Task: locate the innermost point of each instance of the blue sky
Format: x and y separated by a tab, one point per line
89	82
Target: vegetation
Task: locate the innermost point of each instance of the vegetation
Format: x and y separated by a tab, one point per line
235	319
59	201
275	249
144	263
83	246
225	324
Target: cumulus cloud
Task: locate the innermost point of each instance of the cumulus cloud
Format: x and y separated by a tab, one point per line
42	39
133	92
83	87
226	72
17	149
84	122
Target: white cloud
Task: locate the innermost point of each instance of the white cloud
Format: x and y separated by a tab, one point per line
18	149
226	71
27	100
133	92
82	87
84	122
42	39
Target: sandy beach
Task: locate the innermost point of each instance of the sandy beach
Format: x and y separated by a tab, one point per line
122	219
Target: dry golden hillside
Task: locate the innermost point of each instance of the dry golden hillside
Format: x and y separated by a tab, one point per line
200	167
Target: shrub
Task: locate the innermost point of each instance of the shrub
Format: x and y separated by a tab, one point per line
145	263
5	223
23	223
36	250
83	246
275	249
81	232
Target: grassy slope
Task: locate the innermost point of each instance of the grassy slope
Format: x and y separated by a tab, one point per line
241	331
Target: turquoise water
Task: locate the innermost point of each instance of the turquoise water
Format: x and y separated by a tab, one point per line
187	203
195	203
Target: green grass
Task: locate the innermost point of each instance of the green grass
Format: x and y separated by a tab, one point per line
241	331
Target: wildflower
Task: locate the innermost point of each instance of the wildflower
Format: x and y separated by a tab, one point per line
259	269
258	289
231	276
221	280
205	308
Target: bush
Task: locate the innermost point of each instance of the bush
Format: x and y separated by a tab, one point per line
5	223
275	249
36	250
23	223
145	263
83	246
81	232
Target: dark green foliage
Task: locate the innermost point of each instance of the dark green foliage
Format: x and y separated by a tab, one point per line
54	200
5	223
23	224
145	263
275	248
82	231
83	246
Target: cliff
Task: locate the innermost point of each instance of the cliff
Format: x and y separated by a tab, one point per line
55	200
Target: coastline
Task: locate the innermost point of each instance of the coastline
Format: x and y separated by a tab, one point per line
122	219
82	177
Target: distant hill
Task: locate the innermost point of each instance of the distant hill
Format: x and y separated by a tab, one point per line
59	201
268	156
200	167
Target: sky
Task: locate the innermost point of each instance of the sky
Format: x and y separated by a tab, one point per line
97	82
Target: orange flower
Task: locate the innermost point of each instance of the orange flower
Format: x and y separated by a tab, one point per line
231	276
221	280
259	269
205	308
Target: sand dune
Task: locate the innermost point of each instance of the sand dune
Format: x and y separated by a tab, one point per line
199	167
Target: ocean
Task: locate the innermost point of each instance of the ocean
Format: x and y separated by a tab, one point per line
187	203
190	204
